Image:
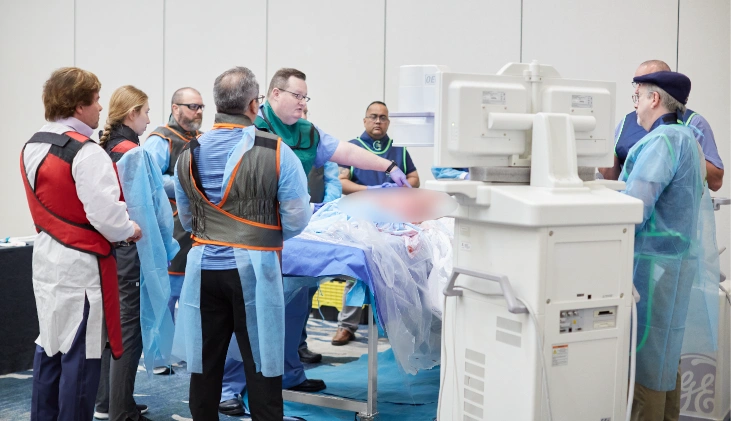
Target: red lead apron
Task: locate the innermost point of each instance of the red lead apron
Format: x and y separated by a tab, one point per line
56	210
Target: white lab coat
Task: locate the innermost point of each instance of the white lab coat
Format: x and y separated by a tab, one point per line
62	277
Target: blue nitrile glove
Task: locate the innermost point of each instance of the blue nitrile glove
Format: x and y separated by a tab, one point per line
316	207
399	177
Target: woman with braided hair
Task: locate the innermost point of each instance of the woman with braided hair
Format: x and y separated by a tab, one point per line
128	117
127	120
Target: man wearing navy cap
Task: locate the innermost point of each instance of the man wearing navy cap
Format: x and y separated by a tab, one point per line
628	132
665	169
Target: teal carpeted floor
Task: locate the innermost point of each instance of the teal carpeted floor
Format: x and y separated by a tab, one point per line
401	397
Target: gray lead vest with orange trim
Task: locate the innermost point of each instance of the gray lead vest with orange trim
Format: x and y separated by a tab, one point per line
178	140
248	215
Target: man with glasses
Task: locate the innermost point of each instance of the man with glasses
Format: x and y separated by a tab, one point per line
282	115
665	170
165	144
376	141
233	282
628	132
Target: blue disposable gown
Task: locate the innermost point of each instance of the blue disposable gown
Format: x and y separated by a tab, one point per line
148	205
664	171
454	173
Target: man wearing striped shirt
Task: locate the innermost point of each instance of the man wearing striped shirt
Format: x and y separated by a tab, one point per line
241	193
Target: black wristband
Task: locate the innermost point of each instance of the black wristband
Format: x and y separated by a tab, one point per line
390	167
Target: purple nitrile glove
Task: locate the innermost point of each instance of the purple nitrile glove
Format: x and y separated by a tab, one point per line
383	186
399	177
316	207
467	177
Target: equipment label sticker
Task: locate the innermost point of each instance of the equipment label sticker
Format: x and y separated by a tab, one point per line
464	245
582	101
560	355
493	97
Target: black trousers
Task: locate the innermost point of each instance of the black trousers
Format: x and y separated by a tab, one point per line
223	313
117	382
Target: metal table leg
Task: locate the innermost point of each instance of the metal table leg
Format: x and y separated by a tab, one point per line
372	402
365	411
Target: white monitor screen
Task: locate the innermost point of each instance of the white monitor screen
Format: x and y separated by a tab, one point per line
591	105
462	135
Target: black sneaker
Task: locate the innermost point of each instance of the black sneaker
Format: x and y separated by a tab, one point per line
231	407
309	385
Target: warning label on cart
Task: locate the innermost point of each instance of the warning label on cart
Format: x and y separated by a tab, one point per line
560	355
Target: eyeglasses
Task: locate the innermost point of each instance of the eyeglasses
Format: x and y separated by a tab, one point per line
193	107
374	118
636	84
636	98
260	98
299	97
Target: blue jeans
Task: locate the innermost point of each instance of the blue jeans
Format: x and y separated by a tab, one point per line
176	284
303	338
64	385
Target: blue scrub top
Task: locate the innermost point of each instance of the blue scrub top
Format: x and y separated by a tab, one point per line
384	148
628	132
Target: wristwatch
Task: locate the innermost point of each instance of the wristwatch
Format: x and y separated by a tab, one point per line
390	167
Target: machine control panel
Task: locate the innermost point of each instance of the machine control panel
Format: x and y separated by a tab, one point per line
586	319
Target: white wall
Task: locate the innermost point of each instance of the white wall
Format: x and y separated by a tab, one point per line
339	46
127	55
350	51
27	61
201	42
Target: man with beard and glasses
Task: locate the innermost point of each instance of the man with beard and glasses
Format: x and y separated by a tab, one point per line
165	144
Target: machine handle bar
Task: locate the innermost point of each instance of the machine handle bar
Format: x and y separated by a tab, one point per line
719	201
514	306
